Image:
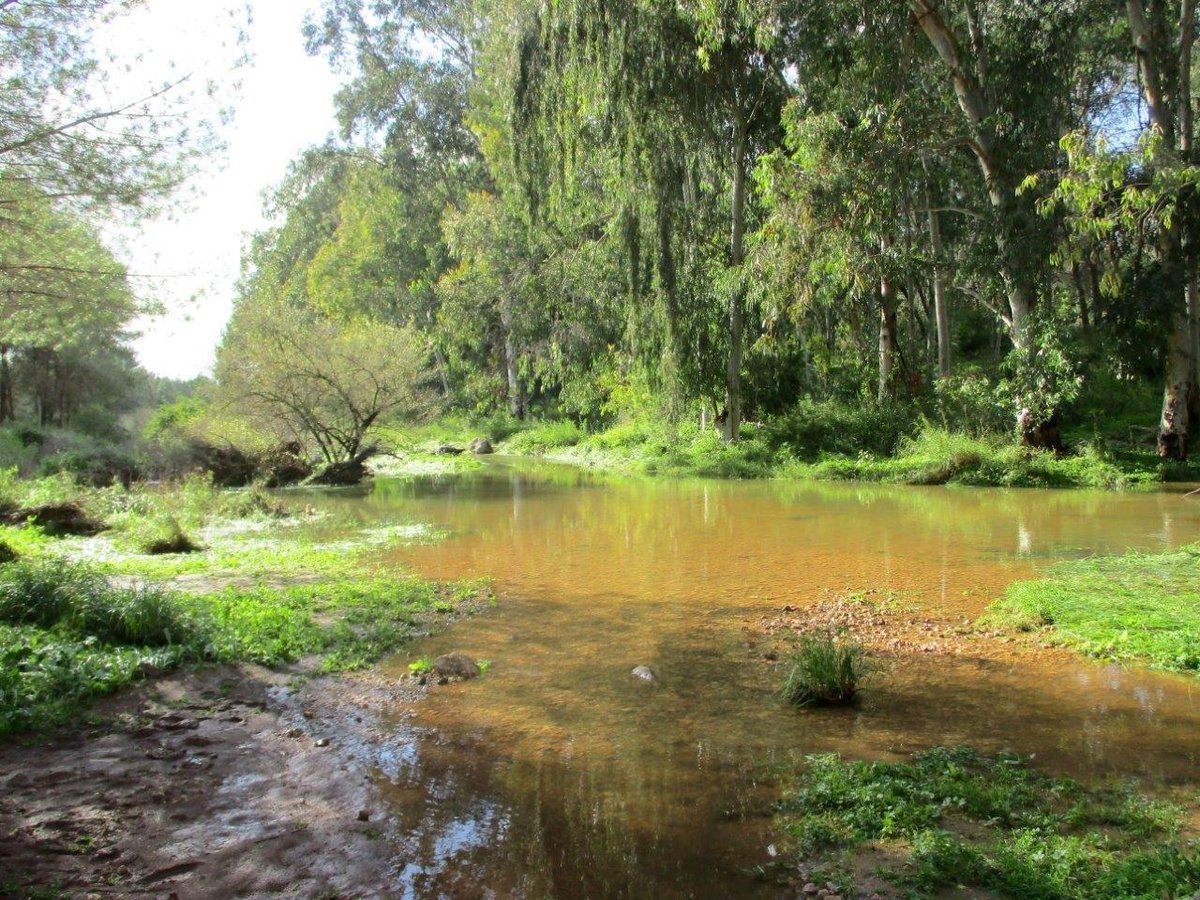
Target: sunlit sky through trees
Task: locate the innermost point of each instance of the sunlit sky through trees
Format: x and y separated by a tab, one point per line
282	102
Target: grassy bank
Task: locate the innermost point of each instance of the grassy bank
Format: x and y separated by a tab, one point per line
953	819
1141	607
825	442
82	616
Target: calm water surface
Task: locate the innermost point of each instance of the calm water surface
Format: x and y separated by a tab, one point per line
559	775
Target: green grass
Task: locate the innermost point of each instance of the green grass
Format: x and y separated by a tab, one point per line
1141	607
823	670
926	455
68	634
956	819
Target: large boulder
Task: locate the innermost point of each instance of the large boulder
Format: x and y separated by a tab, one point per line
481	446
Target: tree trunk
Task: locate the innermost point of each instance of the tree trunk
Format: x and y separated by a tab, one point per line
941	314
1175	126
7	407
887	332
733	369
517	401
1001	189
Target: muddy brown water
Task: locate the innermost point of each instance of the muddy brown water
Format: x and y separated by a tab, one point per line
560	775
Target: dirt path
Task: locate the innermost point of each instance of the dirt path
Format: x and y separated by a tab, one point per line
213	783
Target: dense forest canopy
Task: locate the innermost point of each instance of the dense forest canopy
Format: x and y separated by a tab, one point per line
720	208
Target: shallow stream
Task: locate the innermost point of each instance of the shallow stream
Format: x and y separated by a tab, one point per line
559	775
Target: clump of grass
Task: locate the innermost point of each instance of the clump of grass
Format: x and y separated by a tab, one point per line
67	633
76	600
824	670
161	536
420	666
1140	607
960	820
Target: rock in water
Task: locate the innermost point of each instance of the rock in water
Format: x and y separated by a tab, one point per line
481	447
455	665
644	673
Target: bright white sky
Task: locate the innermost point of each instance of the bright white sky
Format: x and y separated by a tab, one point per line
285	104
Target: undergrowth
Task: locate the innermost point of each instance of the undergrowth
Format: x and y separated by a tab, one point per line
956	819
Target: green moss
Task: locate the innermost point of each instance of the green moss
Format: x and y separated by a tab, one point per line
1141	607
960	820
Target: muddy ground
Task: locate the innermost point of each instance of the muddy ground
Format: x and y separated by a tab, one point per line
246	782
227	782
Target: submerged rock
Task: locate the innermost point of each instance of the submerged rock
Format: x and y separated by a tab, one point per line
481	447
455	666
644	673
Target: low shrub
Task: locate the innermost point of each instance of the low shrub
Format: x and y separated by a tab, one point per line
813	428
545	436
824	670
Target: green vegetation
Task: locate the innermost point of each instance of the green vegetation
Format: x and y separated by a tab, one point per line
1141	607
841	443
70	630
823	670
67	633
956	819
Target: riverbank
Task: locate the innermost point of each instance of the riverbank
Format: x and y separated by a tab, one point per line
863	447
953	818
202	722
222	781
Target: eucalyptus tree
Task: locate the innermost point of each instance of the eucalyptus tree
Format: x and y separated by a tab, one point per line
673	90
1163	34
61	291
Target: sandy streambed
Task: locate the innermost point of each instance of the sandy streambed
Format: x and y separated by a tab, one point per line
212	783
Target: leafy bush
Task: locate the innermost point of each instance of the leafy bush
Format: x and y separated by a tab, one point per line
814	428
545	436
824	670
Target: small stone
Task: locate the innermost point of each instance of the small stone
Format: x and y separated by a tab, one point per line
810	889
364	815
321	742
443	680
644	673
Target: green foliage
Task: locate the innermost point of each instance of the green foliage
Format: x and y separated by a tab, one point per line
1139	607
76	600
962	820
814	428
174	416
823	670
312	378
544	436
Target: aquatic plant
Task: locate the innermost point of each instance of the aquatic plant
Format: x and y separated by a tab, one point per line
824	670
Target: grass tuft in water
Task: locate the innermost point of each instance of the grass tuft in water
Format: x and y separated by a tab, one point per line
824	670
955	819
